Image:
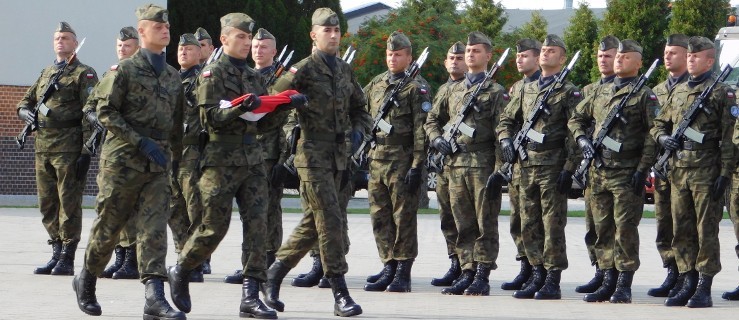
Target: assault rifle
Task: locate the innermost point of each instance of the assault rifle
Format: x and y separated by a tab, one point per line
279	66
349	54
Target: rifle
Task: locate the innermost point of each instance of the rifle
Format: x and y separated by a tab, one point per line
348	54
602	139
684	131
279	66
289	164
435	160
52	87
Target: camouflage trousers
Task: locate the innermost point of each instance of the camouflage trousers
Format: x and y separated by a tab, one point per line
543	217
448	227
591	235
218	187
734	210
273	235
322	222
344	196
515	225
663	218
617	211
126	194
127	237
475	214
696	219
186	205
60	195
393	210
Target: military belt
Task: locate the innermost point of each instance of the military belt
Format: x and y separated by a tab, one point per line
152	133
49	123
233	138
472	147
190	140
404	140
549	145
320	136
626	154
706	145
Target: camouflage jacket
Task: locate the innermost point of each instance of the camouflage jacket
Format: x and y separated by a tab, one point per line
61	129
663	93
273	141
134	103
191	126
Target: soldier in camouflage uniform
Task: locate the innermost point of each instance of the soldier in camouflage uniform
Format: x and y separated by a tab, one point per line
335	107
699	175
206	44
617	186
475	210
140	102
527	63
61	162
734	198
605	59
676	63
546	175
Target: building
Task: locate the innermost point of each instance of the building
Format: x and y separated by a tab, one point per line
356	16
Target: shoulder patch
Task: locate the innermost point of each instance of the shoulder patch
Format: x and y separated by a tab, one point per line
576	94
90	75
657	111
652	97
735	111
207	74
293	70
506	97
114	67
426	106
423	90
730	94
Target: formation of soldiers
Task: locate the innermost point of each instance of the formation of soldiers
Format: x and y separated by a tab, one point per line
244	129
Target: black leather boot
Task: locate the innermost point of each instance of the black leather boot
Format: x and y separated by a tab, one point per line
179	287
156	306
56	251
65	266
311	278
120	255
130	267
344	305
687	290
480	285
388	273
550	290
374	277
670	281
461	284
323	284
196	275
84	288
270	258
731	295
678	285
606	289
520	279
702	296
452	274
538	276
271	289
251	306
623	288
593	284
402	280
236	278
206	266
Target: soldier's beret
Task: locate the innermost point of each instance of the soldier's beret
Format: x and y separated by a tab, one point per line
239	21
477	37
325	17
629	45
65	27
128	33
553	40
677	39
397	41
457	48
608	42
152	12
527	44
202	34
698	44
188	39
263	34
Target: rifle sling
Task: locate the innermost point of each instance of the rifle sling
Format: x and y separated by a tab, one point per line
399	140
548	145
57	124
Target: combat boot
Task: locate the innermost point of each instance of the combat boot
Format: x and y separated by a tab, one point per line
156	306
538	275
521	278
678	285
344	305
84	288
702	296
687	290
236	278
65	266
670	281
388	273
56	251
196	275
206	266
593	284
179	287
270	258
731	295
551	289
452	274
251	306
402	280
375	277
130	267
323	283
480	286
623	288
311	278
461	284
271	289
606	289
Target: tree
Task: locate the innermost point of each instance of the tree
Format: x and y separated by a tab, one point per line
582	34
699	17
485	16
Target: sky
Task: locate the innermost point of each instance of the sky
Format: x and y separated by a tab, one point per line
510	4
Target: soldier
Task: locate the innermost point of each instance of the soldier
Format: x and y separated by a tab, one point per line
676	64
527	63
335	107
140	103
455	66
61	162
605	58
697	180
617	187
206	44
734	198
475	211
546	175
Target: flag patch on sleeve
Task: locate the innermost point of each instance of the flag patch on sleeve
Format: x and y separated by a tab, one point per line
293	70
576	94
114	67
652	97
730	94
90	75
207	74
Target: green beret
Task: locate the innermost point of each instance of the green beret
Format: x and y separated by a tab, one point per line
238	20
608	42
263	34
202	34
629	45
677	39
324	17
527	44
477	37
128	33
65	27
553	40
397	41
457	48
152	12
698	44
188	39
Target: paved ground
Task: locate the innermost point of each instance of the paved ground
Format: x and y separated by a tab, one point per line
23	295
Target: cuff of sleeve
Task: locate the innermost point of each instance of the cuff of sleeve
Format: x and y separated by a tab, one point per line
569	166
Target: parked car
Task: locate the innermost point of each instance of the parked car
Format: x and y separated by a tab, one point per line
649	189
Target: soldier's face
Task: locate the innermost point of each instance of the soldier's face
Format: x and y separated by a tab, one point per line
326	38
676	58
527	62
552	57
125	49
188	56
236	43
64	43
476	57
206	48
700	62
398	61
455	65
263	51
627	64
606	59
154	35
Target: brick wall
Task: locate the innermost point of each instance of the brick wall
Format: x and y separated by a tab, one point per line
17	174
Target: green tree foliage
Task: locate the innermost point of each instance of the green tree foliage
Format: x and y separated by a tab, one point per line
485	16
582	34
699	17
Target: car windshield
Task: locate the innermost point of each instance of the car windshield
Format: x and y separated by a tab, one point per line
728	52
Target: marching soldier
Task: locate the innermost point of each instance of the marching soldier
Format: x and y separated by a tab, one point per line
206	44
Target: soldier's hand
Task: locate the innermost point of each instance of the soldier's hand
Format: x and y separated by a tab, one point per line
27	116
668	142
441	145
413	179
250	103
494	183
81	166
506	149
719	187
298	101
278	174
564	182
586	147
92	118
356	137
638	180
153	152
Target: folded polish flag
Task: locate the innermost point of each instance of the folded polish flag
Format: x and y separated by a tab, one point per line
269	104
